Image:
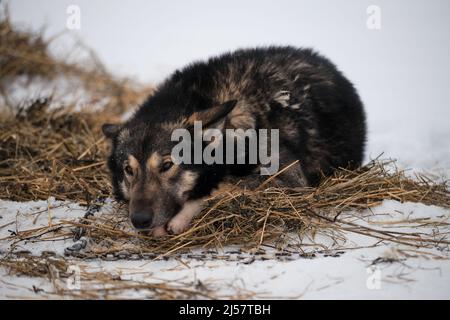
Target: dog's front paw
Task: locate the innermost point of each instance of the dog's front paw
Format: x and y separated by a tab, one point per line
159	231
177	226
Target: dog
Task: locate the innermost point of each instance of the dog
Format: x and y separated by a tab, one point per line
318	115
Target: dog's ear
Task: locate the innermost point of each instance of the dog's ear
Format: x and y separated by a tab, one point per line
212	115
110	130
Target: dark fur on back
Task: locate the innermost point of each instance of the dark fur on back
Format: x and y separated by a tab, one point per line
301	93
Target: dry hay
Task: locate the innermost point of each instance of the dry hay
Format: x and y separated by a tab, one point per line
253	218
50	147
52	153
90	284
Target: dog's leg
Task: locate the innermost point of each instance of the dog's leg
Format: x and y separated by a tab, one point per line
159	231
181	221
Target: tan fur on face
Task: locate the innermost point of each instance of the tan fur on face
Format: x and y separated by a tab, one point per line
167	157
125	185
151	188
187	182
125	189
154	162
133	163
172	171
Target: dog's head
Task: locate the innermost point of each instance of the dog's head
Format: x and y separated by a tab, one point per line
144	172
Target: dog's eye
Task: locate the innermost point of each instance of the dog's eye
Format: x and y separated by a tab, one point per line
128	170
166	165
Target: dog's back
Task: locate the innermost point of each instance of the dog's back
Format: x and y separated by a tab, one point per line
301	93
318	114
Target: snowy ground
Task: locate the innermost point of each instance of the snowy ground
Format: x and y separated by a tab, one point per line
356	268
407	101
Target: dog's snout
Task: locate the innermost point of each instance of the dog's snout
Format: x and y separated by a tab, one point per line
141	220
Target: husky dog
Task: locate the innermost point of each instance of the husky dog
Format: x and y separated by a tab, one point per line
318	113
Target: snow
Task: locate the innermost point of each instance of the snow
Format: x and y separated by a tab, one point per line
344	271
401	72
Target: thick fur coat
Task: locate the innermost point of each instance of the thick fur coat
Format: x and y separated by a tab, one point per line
318	113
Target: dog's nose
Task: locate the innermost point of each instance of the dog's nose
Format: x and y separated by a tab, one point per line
141	220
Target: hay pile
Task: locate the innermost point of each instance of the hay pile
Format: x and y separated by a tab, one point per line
269	216
106	285
252	219
51	147
56	153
